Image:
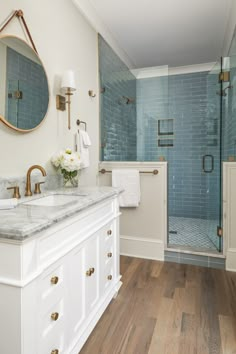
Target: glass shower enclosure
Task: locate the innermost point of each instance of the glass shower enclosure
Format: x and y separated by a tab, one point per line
176	118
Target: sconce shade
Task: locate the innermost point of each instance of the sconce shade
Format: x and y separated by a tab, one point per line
68	81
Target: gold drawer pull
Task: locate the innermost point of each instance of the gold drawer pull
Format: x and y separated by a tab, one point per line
90	272
109	232
109	254
55	316
109	277
55	351
54	280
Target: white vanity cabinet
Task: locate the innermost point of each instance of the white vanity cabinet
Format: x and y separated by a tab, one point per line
55	285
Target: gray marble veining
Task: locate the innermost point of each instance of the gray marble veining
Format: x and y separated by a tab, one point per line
26	220
51	182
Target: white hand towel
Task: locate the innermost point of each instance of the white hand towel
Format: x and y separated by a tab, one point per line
129	180
85	138
83	142
8	203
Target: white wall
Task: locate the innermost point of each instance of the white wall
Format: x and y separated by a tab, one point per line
229	30
86	8
64	40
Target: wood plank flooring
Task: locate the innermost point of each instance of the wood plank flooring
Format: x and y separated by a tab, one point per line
168	308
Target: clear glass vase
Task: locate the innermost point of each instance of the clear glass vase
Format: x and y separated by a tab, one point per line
70	180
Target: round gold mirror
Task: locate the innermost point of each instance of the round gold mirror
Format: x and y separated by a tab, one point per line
24	93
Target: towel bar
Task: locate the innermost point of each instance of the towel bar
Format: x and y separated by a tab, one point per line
78	122
154	172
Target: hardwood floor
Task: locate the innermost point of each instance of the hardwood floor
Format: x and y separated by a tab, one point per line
168	308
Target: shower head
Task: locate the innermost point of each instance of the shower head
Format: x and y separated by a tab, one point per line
126	100
129	100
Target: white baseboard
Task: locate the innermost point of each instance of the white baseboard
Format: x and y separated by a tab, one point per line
231	260
142	247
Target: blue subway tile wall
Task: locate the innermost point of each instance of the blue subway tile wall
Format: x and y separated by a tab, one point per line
117	112
191	101
152	105
24	74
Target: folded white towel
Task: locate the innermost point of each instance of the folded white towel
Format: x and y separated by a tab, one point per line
8	203
129	180
85	138
83	142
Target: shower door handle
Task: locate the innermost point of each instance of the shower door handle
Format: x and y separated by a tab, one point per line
211	157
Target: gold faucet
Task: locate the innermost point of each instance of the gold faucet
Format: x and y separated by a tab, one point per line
28	191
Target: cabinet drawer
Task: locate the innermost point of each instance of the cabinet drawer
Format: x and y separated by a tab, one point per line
54	341
109	273
108	232
52	286
108	255
51	320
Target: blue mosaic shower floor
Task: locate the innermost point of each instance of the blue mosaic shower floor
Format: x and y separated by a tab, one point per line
193	232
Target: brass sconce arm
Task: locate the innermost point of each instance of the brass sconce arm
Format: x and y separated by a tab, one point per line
61	102
67	86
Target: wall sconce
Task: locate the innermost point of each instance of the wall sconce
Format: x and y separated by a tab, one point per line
67	88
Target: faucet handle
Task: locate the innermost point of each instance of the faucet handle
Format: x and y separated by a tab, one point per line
16	192
37	189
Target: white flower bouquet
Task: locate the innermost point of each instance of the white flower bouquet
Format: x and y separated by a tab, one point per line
69	164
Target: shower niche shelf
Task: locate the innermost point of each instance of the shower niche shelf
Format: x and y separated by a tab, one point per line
166	132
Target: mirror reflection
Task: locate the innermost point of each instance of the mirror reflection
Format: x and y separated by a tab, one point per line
24	92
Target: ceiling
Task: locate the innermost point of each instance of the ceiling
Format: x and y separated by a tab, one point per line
167	32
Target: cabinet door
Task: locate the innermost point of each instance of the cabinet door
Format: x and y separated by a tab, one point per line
74	292
91	274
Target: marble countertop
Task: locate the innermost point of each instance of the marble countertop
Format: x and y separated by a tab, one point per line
25	220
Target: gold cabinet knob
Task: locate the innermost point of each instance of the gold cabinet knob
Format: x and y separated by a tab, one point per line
55	351
55	316
109	254
90	272
109	277
54	280
109	232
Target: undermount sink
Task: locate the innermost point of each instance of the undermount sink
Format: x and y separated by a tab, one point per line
54	200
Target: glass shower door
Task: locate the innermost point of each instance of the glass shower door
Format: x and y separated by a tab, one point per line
194	201
212	158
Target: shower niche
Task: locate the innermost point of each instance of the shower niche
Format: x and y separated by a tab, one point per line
166	132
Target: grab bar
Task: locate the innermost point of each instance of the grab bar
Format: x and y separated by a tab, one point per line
154	172
204	163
